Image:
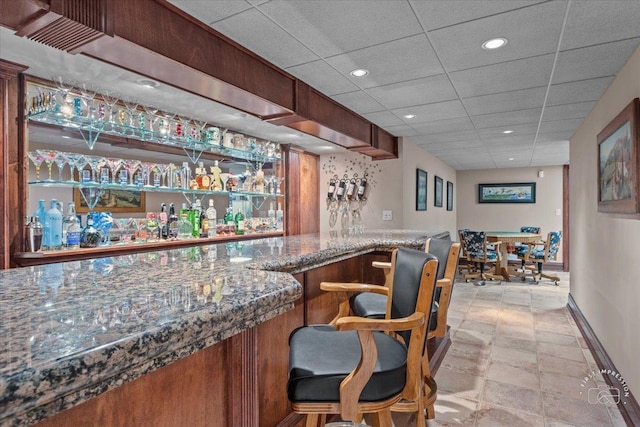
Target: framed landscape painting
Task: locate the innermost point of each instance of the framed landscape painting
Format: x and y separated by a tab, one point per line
518	192
449	195
421	190
618	181
438	191
115	201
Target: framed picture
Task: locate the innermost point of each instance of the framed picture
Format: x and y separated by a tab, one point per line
115	201
421	190
438	190
449	195
518	192
618	182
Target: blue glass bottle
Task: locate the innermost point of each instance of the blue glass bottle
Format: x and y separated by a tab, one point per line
41	213
54	224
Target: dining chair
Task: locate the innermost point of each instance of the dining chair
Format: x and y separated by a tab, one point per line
539	253
481	252
467	266
353	367
521	248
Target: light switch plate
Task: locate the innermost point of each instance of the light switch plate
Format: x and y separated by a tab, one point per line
558	212
387	215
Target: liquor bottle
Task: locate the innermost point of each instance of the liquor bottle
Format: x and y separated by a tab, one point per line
279	218
172	222
247	180
194	218
202	179
216	182
163	219
41	213
351	188
185	176
54	224
271	214
204	224
231	183
362	187
332	189
239	220
341	187
259	181
228	217
71	229
185	228
90	236
211	219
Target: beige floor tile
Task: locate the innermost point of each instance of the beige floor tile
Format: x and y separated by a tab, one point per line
555	423
473	364
498	416
477	326
512	396
519	358
557	365
503	372
488	303
616	416
578	412
463	348
554	327
473	337
465	386
482	314
515	318
562	351
454	322
452	410
562	384
554	338
515	343
518	331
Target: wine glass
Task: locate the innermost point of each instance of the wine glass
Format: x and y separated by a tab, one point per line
142	233
37	159
114	164
123	225
60	160
131	166
48	156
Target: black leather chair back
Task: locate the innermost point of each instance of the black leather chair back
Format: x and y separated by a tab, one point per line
406	285
440	249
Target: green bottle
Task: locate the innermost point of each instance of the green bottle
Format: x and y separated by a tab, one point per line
239	219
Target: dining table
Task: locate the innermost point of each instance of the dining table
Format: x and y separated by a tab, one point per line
508	238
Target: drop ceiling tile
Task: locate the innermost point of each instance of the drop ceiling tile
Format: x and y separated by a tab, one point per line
504	77
578	110
594	61
465	135
414	92
359	101
440	126
322	77
506	119
580	91
530	32
405	59
506	101
259	34
383	118
331	28
438	14
432	112
515	163
209	12
518	130
595	22
547	139
402	130
569	125
515	141
451	145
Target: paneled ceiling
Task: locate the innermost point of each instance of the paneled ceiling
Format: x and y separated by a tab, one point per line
425	59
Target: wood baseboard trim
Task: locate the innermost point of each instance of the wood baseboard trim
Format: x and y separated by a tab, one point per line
628	405
437	348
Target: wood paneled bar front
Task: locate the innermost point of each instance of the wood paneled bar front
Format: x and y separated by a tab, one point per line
200	339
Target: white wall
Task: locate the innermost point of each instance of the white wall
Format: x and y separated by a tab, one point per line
392	187
604	247
510	217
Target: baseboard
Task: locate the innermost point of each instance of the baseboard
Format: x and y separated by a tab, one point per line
437	349
628	405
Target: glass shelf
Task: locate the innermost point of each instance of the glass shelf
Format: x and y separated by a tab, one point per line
91	128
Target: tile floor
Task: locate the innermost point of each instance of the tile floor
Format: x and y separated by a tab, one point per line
517	358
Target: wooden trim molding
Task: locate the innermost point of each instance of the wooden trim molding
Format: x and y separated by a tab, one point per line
566	237
628	405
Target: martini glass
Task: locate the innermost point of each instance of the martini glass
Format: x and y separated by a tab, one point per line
48	156
60	160
110	98
147	169
123	225
131	104
163	168
151	117
96	163
88	93
164	125
224	177
80	162
37	160
114	164
131	166
278	181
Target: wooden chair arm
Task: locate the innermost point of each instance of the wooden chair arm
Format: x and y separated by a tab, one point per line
444	283
381	264
353	287
354	323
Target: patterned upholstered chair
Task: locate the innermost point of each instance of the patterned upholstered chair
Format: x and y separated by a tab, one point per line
539	253
520	248
466	266
479	252
354	367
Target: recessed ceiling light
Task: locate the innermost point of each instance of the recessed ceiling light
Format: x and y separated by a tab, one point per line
359	72
410	116
66	137
239	114
148	83
511	158
507	131
494	43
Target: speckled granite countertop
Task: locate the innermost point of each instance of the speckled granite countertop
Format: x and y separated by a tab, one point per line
73	330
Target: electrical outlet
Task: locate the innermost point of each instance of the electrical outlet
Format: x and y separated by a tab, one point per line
387	215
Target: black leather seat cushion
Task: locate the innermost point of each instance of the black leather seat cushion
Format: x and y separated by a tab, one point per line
374	306
321	357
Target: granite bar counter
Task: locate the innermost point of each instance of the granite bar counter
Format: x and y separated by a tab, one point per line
72	331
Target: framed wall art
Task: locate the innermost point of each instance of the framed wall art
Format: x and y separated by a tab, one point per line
518	192
115	201
618	162
449	195
421	190
438	191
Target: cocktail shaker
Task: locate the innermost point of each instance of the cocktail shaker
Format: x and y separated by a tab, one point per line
33	235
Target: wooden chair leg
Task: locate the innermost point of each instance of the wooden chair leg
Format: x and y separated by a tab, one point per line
313	420
382	419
